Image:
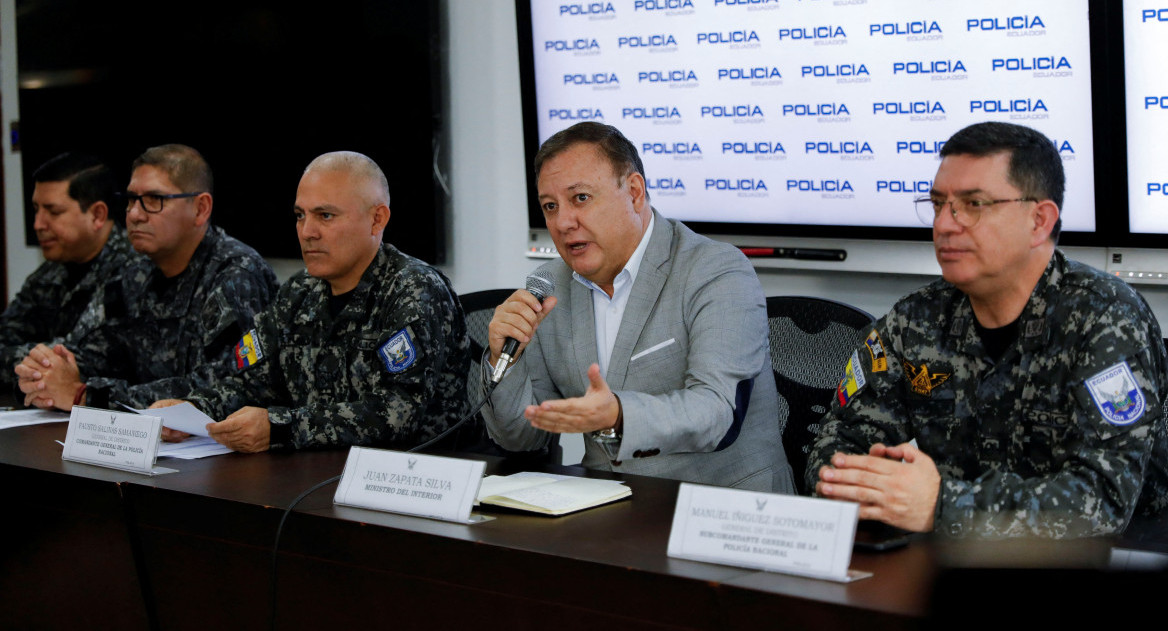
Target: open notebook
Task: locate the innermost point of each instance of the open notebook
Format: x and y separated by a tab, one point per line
549	493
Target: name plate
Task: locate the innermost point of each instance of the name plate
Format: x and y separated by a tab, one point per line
118	440
413	484
780	533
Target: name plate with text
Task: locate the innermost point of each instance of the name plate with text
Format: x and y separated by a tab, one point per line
780	533
413	484
118	440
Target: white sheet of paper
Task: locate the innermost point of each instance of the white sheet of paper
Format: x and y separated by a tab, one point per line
20	418
183	417
193	448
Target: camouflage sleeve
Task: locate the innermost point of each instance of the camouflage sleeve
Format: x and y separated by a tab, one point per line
96	341
18	324
21	326
250	382
400	375
226	312
868	406
1115	408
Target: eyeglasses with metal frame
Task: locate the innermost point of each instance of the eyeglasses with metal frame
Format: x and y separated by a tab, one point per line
965	211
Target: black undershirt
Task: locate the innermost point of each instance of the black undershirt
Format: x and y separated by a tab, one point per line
996	341
75	271
336	303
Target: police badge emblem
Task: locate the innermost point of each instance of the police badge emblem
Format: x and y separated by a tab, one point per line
1116	395
399	352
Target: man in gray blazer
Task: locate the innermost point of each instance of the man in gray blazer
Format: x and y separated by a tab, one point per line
655	342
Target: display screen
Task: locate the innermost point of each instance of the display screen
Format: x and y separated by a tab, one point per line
1145	51
812	117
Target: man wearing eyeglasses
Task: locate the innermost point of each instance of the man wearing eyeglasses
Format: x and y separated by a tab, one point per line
1020	395
74	204
171	321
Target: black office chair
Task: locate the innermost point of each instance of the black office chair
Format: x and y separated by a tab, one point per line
810	340
479	307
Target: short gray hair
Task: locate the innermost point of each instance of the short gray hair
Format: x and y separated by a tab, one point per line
353	163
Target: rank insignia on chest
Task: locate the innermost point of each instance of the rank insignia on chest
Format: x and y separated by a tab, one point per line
1116	394
876	350
399	352
248	351
852	382
921	381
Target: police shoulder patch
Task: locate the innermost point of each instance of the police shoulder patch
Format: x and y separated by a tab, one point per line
1116	394
399	352
852	382
248	351
876	350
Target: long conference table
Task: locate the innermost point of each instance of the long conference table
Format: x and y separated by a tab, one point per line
97	548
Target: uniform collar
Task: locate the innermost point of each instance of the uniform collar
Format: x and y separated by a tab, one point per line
1033	329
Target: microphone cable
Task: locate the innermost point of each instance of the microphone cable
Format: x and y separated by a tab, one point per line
489	387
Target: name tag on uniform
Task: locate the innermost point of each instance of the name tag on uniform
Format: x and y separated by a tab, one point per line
780	533
113	439
413	484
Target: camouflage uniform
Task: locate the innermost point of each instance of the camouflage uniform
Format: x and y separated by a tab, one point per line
154	337
389	370
48	306
1037	443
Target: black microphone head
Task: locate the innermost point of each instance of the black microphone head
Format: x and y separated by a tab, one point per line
541	284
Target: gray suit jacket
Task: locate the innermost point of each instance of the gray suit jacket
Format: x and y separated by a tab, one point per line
691	366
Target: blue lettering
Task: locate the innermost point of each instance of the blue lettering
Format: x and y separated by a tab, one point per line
742	184
749	73
831	186
581	114
839	70
915	107
665	184
918	146
731	111
819	109
815	32
940	66
760	147
661	5
650	112
666	76
1009	105
1017	22
843	147
646	41
586	9
1034	63
732	37
564	45
903	186
907	28
678	148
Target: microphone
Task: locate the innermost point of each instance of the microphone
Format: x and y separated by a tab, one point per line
541	285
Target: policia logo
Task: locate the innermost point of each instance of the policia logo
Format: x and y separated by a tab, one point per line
921	381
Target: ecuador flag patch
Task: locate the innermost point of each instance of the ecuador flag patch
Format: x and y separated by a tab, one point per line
852	382
248	351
